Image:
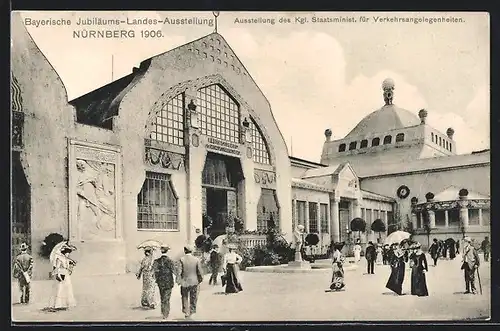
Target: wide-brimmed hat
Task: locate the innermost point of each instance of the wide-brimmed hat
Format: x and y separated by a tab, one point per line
23	247
467	239
188	249
231	246
338	245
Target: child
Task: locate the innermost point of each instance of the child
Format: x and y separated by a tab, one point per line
23	271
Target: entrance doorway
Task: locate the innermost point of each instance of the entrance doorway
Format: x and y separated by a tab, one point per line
220	180
21	203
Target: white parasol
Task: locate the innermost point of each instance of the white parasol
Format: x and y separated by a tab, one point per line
396	237
150	243
57	251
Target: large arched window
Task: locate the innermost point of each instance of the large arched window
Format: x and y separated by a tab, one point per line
400	137
364	143
353	145
342	148
219	114
169	123
376	141
260	149
387	140
157	204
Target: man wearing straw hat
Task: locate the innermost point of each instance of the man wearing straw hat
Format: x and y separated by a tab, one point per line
23	271
470	262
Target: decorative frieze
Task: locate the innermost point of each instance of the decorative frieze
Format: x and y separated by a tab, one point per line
94	154
164	159
447	205
265	179
222	146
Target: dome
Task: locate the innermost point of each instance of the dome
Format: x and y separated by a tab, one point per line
389	117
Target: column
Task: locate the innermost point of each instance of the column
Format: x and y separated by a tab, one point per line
294	213
318	216
480	217
432	219
334	219
464	217
446	220
414	220
421	219
306	225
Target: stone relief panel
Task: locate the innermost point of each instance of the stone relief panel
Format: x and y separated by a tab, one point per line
96	205
95	192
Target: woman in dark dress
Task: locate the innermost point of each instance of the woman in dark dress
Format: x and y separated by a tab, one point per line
395	282
418	269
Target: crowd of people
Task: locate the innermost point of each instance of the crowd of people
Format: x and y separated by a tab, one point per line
407	252
188	274
164	273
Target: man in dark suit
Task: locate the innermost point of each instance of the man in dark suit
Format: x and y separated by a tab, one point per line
164	271
23	271
371	255
470	262
215	264
191	276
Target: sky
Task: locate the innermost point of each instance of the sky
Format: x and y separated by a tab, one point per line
316	75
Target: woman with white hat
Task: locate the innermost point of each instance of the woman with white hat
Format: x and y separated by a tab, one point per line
231	262
148	296
62	291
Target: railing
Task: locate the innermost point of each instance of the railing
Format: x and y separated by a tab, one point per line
252	240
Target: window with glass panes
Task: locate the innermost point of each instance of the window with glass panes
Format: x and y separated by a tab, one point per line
157	204
219	114
260	150
301	213
313	217
323	214
169	122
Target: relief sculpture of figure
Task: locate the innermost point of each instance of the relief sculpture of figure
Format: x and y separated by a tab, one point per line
95	191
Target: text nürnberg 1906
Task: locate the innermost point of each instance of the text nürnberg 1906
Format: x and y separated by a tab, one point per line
105	28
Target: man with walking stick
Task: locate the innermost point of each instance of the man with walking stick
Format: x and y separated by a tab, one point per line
470	262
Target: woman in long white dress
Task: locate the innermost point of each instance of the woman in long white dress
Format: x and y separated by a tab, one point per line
62	291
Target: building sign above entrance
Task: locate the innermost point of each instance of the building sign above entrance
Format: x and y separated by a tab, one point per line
164	159
223	146
265	179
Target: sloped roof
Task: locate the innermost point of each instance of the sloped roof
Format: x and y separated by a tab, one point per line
302	183
389	117
451	193
323	171
103	103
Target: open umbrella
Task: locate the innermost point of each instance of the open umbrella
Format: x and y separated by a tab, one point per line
397	237
150	243
57	250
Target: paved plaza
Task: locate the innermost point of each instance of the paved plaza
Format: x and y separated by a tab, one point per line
276	297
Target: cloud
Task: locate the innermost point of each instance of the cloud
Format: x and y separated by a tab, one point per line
473	132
